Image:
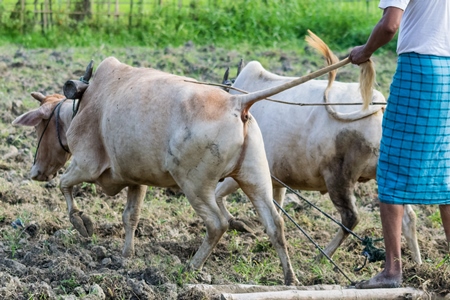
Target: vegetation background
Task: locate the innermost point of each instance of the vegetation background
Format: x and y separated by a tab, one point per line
162	23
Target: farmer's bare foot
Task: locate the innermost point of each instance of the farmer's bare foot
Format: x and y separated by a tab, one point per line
381	280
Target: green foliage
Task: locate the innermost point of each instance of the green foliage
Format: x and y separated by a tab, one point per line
435	219
12	238
270	23
67	285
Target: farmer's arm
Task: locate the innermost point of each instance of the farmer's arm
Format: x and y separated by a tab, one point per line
382	33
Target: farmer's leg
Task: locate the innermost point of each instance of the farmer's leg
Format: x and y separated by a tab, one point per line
445	216
391	276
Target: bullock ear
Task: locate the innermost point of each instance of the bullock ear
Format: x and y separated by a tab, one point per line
34	117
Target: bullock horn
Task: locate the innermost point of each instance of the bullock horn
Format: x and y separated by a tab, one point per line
88	73
38	96
241	64
225	76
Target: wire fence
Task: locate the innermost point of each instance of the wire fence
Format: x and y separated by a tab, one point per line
48	13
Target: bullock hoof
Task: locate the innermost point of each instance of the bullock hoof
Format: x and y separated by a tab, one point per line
239	225
128	252
291	280
82	223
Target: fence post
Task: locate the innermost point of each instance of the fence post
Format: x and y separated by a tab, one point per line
46	14
141	12
130	21
22	12
116	11
36	15
50	23
42	18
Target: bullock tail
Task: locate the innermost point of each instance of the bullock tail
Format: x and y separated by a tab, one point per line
248	100
366	81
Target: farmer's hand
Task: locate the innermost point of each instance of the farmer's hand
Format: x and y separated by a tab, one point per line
359	55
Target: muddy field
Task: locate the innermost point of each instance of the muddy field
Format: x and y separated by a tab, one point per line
43	257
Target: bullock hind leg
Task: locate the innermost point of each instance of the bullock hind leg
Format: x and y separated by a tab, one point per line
254	179
270	218
130	216
279	195
225	188
202	200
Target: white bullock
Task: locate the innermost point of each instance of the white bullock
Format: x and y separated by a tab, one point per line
318	148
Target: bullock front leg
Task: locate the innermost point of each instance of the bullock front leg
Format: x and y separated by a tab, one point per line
225	188
80	221
409	231
130	216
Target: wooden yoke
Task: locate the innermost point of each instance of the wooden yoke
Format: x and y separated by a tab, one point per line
74	89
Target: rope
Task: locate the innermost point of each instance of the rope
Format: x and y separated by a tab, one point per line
284	102
313	205
312	241
57	125
75	107
370	252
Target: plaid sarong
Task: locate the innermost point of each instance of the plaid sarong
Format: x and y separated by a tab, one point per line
414	162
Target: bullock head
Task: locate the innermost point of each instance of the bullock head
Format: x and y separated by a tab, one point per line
51	123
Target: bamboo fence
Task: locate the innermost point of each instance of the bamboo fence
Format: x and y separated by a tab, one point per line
47	13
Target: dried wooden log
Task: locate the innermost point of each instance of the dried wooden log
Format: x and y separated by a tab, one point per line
400	293
252	288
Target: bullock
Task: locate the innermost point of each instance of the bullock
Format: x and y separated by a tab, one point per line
317	148
139	127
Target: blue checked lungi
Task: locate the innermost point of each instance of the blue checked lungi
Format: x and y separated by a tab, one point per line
414	162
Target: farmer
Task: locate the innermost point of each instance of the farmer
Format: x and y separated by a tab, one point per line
414	162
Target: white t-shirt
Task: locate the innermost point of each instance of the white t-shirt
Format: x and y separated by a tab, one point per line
425	26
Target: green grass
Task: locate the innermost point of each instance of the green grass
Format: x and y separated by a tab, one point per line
268	23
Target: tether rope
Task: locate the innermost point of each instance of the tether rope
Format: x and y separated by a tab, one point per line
312	241
370	252
284	102
313	205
